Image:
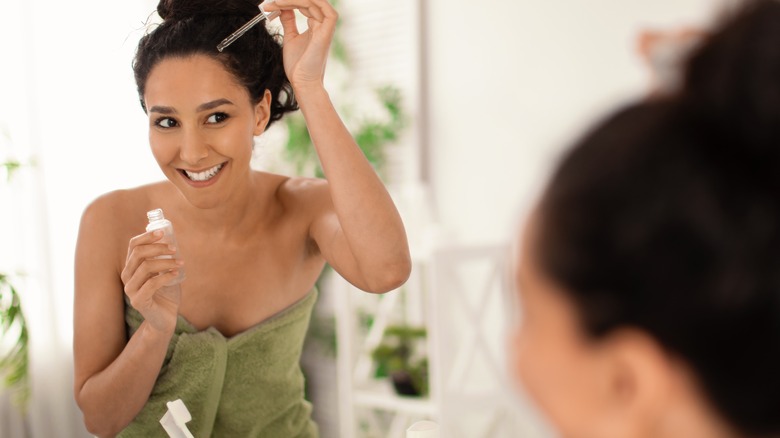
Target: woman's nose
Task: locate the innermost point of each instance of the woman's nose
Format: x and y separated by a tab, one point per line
193	148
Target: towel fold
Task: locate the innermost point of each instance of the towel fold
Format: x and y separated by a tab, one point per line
248	385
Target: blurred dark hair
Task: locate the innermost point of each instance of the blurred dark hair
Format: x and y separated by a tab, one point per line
666	217
195	27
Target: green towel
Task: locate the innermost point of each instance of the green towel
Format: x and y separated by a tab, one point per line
248	385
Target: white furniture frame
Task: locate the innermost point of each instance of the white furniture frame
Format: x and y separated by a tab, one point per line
463	296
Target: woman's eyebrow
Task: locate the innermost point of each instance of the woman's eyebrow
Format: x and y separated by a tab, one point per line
202	107
162	109
213	104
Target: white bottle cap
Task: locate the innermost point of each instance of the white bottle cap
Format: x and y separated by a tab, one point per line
155	215
423	429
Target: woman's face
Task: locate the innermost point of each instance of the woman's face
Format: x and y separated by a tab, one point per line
202	126
564	372
622	385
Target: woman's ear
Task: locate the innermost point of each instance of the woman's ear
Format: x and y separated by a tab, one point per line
640	380
262	113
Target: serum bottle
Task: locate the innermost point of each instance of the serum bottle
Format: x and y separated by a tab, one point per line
157	221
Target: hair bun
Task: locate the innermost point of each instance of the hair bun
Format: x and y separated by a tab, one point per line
735	75
174	10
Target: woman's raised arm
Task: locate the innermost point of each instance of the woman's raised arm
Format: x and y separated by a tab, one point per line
357	228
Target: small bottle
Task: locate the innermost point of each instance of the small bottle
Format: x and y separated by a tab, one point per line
158	222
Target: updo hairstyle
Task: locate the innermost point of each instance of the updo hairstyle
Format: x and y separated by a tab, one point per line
666	217
195	27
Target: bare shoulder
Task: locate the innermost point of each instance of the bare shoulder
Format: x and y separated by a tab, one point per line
311	194
106	206
113	207
114	215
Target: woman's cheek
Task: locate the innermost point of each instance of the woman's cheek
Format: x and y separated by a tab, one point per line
525	359
163	149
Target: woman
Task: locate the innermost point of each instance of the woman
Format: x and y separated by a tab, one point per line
227	340
650	271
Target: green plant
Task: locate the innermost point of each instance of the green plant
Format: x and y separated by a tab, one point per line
372	134
13	332
11	166
14	338
398	357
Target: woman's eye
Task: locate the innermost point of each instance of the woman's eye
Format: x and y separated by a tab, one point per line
217	118
165	122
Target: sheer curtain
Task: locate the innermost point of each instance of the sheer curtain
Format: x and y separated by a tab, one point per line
70	110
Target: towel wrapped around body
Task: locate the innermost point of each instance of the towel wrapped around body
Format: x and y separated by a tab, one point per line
248	385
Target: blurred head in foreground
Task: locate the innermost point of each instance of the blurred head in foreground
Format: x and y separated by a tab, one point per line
649	273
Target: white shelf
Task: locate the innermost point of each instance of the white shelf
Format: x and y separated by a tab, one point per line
460	295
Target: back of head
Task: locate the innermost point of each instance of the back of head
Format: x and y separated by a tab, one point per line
196	27
666	217
735	75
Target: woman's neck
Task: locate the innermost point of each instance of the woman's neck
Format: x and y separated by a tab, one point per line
690	414
234	215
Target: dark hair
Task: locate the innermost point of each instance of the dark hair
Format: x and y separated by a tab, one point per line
192	27
666	217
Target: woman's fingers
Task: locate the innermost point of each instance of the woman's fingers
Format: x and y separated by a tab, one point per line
320	15
143	239
289	24
149	269
139	253
139	241
143	299
328	11
306	53
319	10
312	13
153	250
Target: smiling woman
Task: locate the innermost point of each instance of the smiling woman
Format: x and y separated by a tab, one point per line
254	243
196	105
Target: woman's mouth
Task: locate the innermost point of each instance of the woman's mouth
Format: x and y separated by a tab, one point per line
204	175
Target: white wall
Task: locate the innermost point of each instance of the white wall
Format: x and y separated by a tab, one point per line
76	112
514	81
92	135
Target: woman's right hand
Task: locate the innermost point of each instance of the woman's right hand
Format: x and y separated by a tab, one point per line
145	276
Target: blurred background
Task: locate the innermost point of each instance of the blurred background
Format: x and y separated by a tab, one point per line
463	108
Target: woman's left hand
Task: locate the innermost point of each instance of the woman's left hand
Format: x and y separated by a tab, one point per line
305	54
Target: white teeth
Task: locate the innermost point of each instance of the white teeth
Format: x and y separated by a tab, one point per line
205	175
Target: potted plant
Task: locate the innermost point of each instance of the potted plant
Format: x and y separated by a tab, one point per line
398	357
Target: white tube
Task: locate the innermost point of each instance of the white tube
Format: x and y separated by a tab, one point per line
423	429
175	419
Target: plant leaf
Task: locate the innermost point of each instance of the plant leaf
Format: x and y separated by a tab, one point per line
14	364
